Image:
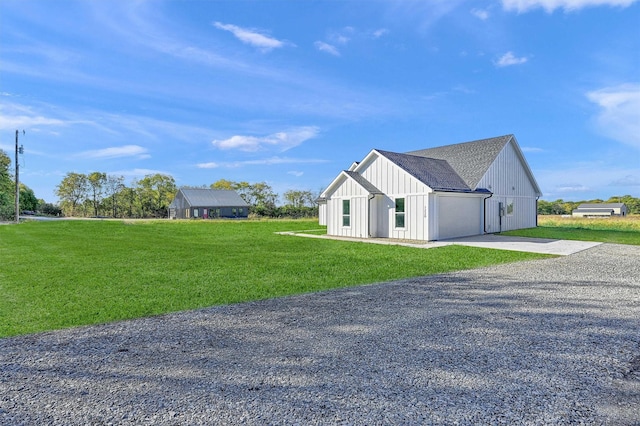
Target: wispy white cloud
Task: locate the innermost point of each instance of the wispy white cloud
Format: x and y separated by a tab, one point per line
295	173
14	116
327	48
427	13
24	121
463	89
628	180
380	32
138	173
346	36
571	187
619	115
251	37
342	36
117	152
531	149
568	5
480	14
262	162
281	141
509	59
586	180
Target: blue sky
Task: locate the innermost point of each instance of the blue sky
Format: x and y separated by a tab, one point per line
291	92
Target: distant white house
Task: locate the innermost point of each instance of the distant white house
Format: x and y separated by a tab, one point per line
600	210
471	188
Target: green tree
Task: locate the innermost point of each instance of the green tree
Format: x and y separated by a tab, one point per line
48	208
7	188
298	198
155	193
262	195
96	182
224	184
72	191
113	187
28	200
127	197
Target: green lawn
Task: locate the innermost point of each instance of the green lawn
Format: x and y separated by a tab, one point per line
68	273
612	230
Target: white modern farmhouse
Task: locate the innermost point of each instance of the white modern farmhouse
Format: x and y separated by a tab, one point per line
471	188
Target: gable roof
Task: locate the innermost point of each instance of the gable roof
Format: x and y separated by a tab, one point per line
356	177
600	206
608	211
437	174
470	160
213	198
368	186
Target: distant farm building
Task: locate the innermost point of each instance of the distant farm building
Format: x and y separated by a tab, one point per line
208	204
600	210
470	188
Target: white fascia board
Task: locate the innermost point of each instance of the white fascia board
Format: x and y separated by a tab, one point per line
514	142
332	186
354	168
372	155
462	194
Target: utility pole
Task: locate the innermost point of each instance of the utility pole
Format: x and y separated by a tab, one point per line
18	151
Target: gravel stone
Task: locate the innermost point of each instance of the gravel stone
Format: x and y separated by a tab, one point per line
554	341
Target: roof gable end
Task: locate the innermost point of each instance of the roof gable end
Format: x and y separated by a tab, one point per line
437	174
470	160
356	177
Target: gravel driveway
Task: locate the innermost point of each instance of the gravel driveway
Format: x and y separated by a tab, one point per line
553	341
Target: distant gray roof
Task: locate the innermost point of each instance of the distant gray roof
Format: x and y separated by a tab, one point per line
593	211
363	182
213	198
600	206
437	174
470	160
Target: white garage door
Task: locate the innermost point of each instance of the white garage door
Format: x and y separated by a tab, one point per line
459	216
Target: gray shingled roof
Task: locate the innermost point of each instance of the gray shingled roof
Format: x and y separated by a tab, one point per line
470	160
437	174
598	210
213	198
600	206
363	182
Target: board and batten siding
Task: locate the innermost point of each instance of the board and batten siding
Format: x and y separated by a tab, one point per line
396	183
322	213
509	182
359	210
391	179
416	209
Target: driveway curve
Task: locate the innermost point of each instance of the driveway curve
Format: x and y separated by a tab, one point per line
554	341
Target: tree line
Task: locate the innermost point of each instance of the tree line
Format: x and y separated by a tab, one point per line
560	207
99	194
28	200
